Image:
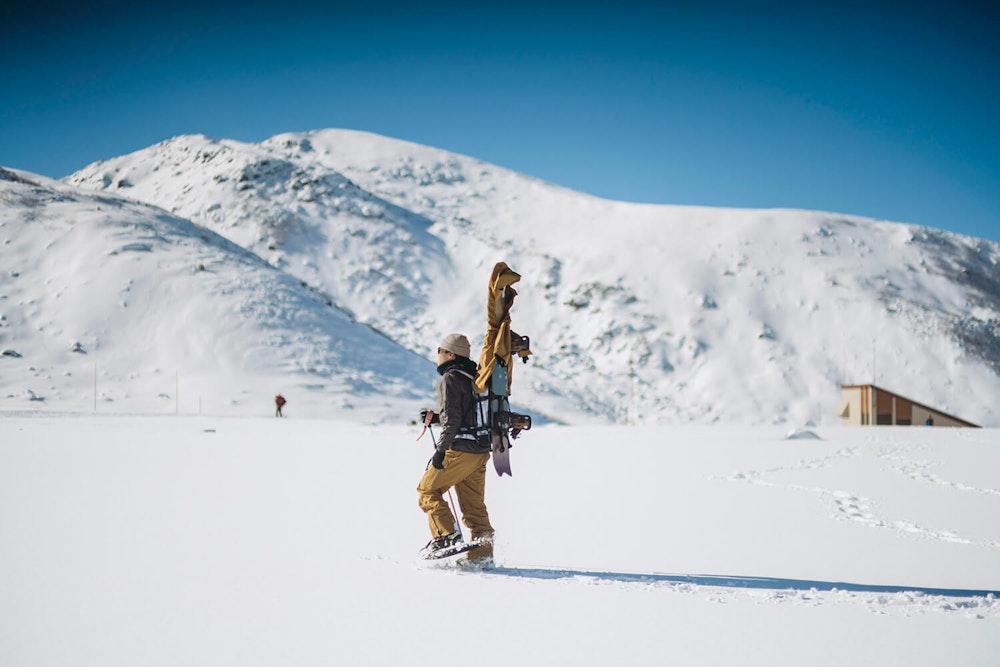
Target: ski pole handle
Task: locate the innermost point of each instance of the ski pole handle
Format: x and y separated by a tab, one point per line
428	417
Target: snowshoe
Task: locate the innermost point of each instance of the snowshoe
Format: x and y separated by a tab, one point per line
446	545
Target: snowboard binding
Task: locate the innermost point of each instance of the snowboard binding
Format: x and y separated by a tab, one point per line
521	346
512	422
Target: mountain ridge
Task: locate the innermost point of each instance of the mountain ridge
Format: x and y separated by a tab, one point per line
640	313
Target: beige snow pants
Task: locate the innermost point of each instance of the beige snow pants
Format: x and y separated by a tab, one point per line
467	473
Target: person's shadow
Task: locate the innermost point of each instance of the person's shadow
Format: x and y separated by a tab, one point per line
729	581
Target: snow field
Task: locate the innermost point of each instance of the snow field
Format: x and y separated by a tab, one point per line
206	541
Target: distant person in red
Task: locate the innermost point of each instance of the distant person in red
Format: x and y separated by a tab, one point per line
279	401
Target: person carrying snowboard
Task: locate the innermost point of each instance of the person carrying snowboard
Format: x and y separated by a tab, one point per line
459	457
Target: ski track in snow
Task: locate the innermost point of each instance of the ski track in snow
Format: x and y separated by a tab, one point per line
848	506
919	470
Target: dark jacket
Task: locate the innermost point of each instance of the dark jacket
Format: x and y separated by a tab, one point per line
457	408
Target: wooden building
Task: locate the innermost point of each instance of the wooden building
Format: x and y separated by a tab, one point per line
866	404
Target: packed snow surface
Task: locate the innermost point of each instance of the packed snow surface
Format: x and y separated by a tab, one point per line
206	541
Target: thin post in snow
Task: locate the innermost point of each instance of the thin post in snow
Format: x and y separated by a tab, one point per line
631	414
874	360
95	373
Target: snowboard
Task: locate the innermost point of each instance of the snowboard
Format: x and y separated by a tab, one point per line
499	436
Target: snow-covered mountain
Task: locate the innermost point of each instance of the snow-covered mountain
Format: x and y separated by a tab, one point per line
112	302
637	312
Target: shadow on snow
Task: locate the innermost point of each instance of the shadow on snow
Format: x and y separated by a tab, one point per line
725	581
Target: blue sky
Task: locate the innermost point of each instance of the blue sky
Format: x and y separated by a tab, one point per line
886	111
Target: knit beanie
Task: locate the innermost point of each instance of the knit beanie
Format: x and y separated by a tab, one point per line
458	344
